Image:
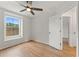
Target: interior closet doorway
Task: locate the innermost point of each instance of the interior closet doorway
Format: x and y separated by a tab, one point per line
66	30
66	36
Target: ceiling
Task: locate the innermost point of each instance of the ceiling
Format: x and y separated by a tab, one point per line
50	8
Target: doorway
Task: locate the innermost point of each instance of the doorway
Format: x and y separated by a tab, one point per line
66	36
66	31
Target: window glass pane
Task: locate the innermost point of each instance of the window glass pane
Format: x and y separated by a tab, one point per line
12	26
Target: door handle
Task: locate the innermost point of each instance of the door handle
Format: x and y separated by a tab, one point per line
49	32
74	33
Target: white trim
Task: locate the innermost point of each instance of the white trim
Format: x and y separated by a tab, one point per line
20	27
77	30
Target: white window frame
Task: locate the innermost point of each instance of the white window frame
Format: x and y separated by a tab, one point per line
6	38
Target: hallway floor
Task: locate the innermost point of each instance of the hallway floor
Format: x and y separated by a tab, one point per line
35	49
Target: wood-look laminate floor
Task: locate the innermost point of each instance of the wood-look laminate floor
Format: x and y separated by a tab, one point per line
35	49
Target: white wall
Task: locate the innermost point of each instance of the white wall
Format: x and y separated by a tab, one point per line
78	30
65	30
40	29
65	27
72	26
26	29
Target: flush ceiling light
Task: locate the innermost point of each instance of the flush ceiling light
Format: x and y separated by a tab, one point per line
28	9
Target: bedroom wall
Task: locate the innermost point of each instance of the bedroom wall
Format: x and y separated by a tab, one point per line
78	30
40	29
65	27
26	30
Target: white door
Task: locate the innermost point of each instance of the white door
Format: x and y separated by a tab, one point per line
55	33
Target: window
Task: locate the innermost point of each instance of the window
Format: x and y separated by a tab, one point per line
13	27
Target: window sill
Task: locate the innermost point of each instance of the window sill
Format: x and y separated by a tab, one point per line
13	37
